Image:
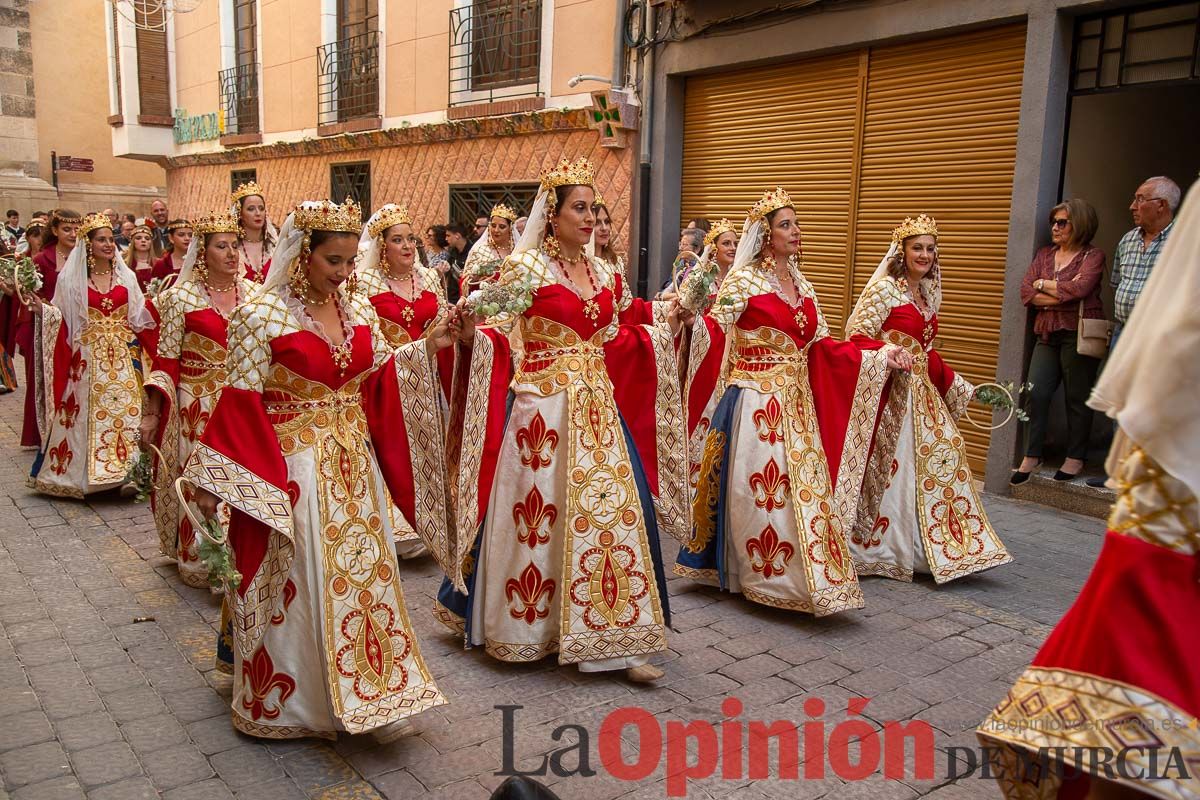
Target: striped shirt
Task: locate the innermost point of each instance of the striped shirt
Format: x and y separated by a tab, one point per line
1131	269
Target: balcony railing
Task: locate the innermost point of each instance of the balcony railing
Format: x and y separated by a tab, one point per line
348	79
239	99
495	51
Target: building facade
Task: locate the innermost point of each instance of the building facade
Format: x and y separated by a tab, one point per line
982	114
53	90
447	107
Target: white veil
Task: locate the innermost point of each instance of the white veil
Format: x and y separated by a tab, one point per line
535	228
749	246
190	258
70	294
287	250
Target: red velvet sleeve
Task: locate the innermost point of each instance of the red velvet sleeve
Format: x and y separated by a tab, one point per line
704	379
389	436
48	268
633	370
940	373
67	360
489	408
239	432
163	267
833	371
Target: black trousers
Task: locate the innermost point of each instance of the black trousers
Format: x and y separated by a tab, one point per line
1053	362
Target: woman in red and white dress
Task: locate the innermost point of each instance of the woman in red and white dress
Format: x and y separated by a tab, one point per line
485	256
410	300
91	335
189	373
920	511
574	437
256	235
299	447
139	256
170	264
1118	674
783	460
702	372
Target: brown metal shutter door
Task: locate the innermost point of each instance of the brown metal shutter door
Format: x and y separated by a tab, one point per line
154	88
789	125
940	137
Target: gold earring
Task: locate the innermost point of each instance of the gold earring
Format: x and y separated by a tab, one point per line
552	245
299	273
201	267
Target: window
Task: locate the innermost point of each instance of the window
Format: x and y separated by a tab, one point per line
1139	46
239	83
154	85
495	49
467	203
351	180
348	69
239	176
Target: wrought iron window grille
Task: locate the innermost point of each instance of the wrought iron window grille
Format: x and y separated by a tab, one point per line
469	202
348	79
239	176
1143	45
351	180
239	98
495	51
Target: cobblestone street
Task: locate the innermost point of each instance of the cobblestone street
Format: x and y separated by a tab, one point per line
97	704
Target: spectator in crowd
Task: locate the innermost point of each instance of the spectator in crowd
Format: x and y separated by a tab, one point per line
691	243
35	235
481	224
113	217
435	245
459	246
1153	209
520	225
162	238
12	228
1062	281
701	223
125	233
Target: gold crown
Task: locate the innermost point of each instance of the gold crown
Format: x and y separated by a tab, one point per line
328	216
246	190
599	201
178	224
215	223
93	222
771	201
724	226
566	173
923	225
386	217
504	212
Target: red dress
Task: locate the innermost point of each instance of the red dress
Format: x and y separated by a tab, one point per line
47	264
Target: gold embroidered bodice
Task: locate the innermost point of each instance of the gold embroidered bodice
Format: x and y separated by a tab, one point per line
1154	506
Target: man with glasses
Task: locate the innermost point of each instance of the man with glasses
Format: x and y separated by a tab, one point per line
481	225
1153	209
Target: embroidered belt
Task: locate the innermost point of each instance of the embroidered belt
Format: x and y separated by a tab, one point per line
555	357
766	359
918	350
100	326
298	423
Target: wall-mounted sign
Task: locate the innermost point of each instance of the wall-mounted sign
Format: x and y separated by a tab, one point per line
75	164
199	128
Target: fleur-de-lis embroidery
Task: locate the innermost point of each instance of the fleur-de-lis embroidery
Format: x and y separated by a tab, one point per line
60	457
768	421
768	555
76	366
261	679
289	594
532	516
770	487
194	419
69	412
529	589
537	443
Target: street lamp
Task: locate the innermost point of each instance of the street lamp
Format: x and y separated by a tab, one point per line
578	79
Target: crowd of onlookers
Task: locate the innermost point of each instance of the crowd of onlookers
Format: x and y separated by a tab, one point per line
1063	288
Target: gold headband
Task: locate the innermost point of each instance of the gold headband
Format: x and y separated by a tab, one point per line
93	222
386	217
724	226
566	173
214	223
328	216
923	225
770	201
504	212
246	190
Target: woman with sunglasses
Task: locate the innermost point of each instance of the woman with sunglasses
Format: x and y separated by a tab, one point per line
1063	276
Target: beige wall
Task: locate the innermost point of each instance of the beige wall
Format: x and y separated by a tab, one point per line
583	41
290	32
198	59
70	72
417	38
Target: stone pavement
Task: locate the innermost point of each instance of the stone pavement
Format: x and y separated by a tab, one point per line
97	704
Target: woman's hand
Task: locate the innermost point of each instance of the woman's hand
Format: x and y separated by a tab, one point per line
439	336
679	317
148	430
207	502
7	288
899	359
463	323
